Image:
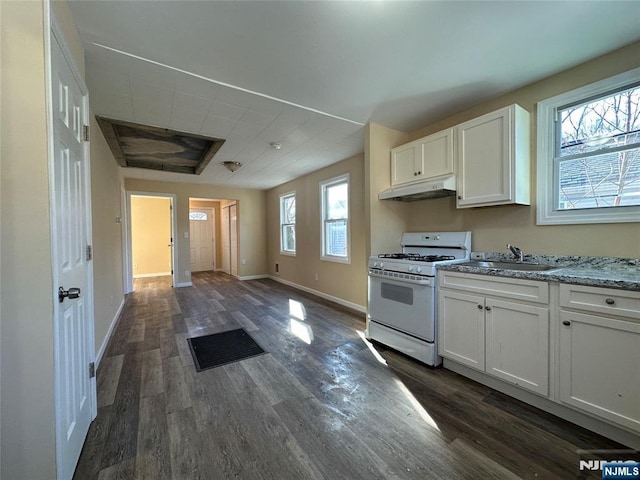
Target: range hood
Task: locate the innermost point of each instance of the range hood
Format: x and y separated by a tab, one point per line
443	187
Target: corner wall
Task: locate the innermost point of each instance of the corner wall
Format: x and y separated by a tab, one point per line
27	432
108	289
344	281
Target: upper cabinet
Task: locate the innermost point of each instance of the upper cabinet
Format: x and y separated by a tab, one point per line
422	159
493	159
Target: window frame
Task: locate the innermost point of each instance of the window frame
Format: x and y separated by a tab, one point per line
547	172
324	185
282	197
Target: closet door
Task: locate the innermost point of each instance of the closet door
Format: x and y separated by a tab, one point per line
224	237
233	239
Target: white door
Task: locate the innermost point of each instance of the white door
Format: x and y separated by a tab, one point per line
224	237
74	349
201	235
233	239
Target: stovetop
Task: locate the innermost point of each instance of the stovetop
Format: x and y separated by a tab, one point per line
416	257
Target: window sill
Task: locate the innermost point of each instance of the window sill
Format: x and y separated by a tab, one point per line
288	254
332	258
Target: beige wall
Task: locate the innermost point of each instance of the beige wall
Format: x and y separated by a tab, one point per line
150	235
252	215
345	281
493	227
106	201
215	205
27	434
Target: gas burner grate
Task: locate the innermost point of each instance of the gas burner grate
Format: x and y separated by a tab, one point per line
416	257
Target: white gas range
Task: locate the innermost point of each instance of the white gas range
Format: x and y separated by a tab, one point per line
401	312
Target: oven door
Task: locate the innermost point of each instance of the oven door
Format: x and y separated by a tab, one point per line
403	304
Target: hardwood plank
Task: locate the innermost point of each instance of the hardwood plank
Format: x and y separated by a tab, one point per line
152	379
152	455
108	378
120	471
177	394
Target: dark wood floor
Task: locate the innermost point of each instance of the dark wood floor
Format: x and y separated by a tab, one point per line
327	409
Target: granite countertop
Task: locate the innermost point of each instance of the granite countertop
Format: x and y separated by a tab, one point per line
607	272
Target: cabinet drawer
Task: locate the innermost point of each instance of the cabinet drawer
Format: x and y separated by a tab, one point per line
512	288
602	300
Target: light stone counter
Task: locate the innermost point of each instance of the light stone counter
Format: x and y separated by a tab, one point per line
607	272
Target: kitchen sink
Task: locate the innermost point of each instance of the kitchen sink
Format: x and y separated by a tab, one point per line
530	267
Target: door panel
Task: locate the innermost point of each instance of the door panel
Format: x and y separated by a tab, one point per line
74	349
233	239
201	234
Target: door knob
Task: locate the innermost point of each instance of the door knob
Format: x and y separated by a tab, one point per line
488	309
71	294
566	323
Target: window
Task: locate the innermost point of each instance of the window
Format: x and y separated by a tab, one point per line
288	223
589	153
334	199
197	216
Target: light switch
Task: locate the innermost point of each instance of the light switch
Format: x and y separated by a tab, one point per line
186	234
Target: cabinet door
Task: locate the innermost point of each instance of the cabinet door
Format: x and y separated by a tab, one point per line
403	161
517	344
435	155
484	167
600	366
461	328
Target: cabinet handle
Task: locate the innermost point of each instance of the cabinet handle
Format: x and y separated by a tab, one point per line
488	309
566	323
609	301
459	197
480	307
419	172
415	174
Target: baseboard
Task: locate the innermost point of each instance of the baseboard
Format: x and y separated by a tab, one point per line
253	277
184	284
326	296
107	337
146	275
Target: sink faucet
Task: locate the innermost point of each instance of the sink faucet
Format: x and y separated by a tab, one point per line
517	253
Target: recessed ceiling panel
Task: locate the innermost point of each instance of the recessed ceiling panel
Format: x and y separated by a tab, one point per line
143	146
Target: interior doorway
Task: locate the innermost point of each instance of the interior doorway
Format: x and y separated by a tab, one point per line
224	235
151	236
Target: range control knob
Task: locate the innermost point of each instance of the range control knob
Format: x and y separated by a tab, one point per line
381	264
375	264
410	268
437	237
419	269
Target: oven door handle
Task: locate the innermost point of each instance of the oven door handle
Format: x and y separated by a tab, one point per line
401	277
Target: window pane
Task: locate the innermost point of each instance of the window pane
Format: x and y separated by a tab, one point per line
336	238
337	201
289	238
289	209
607	180
197	216
610	122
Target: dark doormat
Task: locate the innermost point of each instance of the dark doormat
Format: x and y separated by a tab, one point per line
218	349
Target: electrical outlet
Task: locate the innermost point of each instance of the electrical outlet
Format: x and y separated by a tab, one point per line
316	276
243	261
186	234
277	268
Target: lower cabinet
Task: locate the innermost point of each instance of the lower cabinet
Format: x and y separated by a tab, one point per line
506	339
600	366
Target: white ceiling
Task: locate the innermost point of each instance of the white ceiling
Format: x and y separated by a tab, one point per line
310	74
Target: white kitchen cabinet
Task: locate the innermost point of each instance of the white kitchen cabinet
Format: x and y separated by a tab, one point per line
599	342
517	344
461	326
495	333
425	158
493	159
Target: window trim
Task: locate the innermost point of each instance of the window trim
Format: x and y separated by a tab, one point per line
291	253
545	150
345	178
